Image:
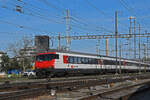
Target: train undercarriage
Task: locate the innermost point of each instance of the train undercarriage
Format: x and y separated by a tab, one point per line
45	73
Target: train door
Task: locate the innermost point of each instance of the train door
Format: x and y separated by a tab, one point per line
100	65
65	61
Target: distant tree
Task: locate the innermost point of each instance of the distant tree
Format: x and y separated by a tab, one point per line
18	49
26	63
5	64
24	43
14	64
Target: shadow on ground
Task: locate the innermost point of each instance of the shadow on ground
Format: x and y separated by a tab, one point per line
141	94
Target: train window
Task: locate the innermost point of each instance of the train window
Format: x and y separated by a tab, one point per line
90	60
120	62
105	62
68	59
83	60
79	60
142	65
86	60
113	62
131	64
110	62
71	59
94	61
75	60
128	64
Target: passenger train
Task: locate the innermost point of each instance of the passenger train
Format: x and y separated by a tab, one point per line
62	63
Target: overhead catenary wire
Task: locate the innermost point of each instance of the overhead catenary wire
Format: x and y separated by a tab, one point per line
22	26
125	5
89	27
72	18
51	5
101	11
58	1
41	17
78	21
85	24
130	9
33	15
36	14
39	9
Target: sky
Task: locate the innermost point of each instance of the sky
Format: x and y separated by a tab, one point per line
95	17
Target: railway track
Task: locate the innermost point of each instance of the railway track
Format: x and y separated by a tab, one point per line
32	83
20	90
121	93
13	95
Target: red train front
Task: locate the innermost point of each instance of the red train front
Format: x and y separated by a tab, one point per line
44	63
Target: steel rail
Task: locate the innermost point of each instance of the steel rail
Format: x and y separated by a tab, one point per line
67	85
103	94
102	79
21	93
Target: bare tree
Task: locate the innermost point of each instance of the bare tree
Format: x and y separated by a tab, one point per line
13	49
26	42
20	48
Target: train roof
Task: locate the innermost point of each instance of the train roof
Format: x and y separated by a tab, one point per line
82	53
89	54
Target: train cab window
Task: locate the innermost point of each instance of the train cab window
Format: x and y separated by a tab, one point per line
52	56
56	56
47	57
40	58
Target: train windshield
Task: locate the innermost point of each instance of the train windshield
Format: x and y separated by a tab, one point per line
47	57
